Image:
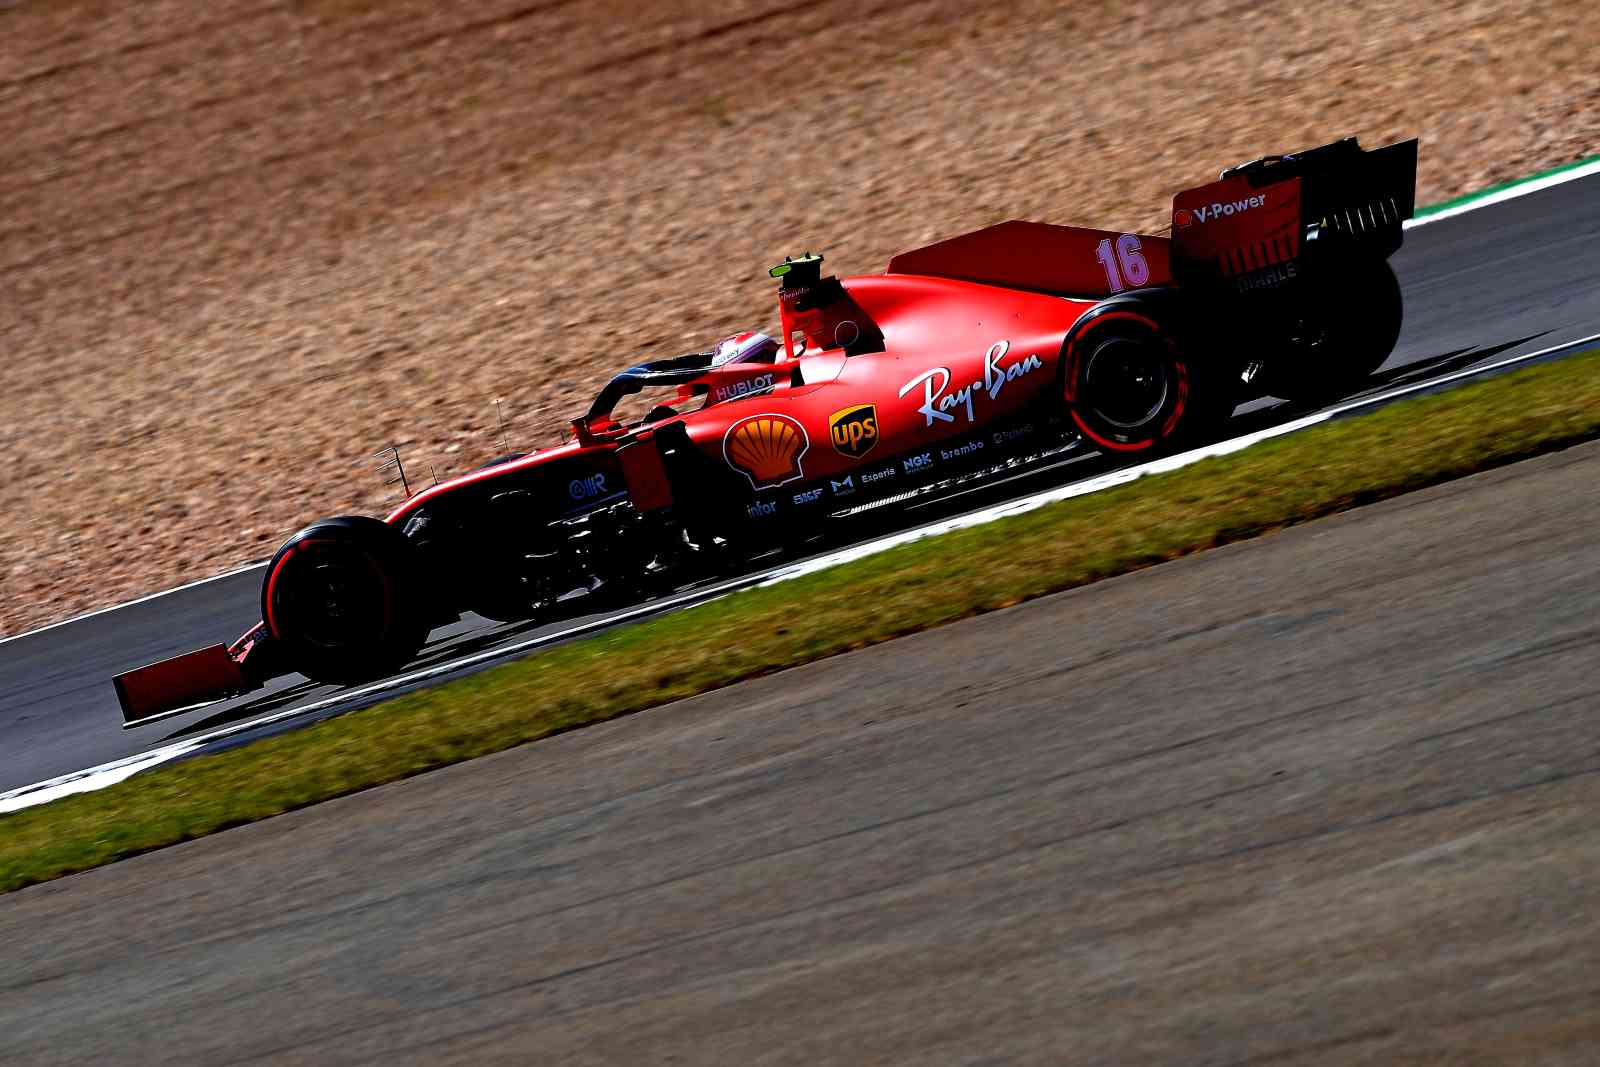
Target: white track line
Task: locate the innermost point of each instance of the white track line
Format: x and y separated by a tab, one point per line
1525	187
1159	466
93	778
111	773
1499	196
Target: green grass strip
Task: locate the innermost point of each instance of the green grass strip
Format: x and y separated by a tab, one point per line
1465	198
1287	480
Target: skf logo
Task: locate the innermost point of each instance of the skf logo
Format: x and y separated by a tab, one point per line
854	430
767	449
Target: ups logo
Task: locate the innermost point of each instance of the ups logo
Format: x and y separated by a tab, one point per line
854	431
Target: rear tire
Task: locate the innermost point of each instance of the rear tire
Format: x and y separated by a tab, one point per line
342	601
1355	315
1130	387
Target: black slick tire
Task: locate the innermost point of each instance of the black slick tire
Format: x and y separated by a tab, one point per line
1131	388
1355	313
341	599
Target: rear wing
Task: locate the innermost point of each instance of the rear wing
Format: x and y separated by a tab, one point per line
1253	226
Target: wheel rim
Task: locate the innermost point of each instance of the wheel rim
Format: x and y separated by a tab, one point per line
1127	382
337	600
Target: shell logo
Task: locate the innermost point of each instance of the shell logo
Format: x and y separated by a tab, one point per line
1183	217
767	449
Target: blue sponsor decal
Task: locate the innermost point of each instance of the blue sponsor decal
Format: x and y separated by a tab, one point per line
587	488
878	475
1002	437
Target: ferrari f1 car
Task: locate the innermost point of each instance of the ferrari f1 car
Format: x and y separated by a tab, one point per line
1274	281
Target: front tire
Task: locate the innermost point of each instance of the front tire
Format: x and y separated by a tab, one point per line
342	601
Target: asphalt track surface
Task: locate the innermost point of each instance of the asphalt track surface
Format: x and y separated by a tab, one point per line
1509	278
1323	797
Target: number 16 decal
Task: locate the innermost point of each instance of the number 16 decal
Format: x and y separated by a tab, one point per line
1126	267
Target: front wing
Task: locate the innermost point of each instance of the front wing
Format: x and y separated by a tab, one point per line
172	686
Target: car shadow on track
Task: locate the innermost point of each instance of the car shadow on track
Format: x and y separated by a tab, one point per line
434	654
1445	363
262	705
1449	363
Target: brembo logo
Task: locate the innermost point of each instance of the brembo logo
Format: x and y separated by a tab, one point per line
1218	209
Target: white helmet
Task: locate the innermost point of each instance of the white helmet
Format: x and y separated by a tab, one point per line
747	347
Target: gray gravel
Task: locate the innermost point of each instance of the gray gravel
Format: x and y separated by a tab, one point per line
246	243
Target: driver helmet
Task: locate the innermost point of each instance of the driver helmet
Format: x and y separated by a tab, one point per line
746	347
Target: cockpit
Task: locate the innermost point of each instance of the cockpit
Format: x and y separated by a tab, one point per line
729	370
822	325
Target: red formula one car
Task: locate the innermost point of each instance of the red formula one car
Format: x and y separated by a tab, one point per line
965	354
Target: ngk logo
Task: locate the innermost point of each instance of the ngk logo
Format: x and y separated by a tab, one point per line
1219	209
